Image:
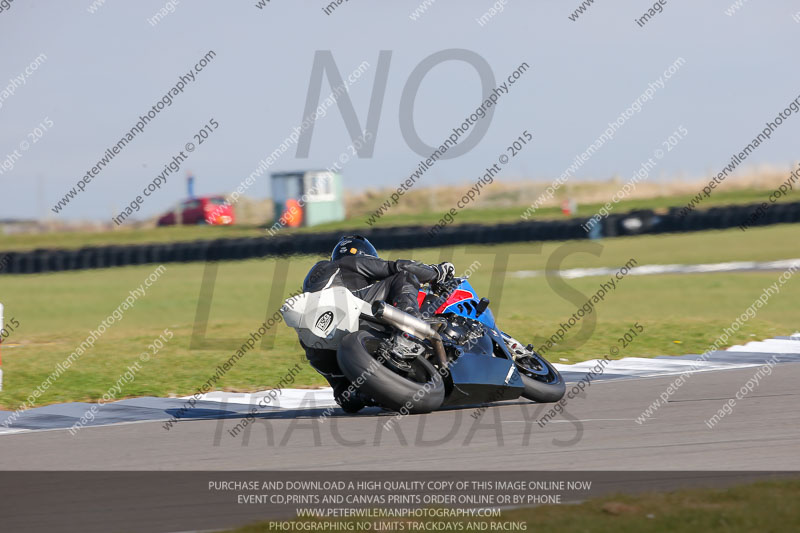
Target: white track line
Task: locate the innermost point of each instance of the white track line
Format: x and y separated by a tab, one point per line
769	346
287	399
628	366
646	270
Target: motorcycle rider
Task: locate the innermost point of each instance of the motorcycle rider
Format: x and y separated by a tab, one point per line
355	265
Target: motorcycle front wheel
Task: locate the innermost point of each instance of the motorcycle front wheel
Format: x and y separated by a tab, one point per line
543	383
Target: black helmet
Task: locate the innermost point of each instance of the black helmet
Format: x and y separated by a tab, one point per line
353	245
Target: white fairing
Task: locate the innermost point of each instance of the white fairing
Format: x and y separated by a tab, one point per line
323	318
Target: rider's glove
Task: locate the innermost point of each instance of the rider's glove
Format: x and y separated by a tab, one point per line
444	272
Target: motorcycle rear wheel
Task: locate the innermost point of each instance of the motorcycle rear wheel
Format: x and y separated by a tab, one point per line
421	392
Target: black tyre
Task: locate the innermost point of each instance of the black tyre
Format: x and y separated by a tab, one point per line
420	391
543	383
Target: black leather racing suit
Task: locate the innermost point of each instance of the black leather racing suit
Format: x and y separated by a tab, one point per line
371	279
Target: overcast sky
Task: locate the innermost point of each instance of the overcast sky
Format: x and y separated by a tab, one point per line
104	69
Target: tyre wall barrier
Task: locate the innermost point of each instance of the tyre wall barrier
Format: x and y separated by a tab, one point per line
408	237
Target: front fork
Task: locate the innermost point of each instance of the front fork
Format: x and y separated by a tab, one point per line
514	347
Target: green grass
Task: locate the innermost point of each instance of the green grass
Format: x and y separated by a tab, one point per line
424	217
56	311
765	507
79	239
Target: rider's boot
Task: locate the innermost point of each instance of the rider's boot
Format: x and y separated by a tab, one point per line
349	400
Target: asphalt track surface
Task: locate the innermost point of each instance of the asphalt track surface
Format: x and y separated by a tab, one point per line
599	432
107	482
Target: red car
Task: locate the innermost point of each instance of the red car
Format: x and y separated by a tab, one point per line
202	210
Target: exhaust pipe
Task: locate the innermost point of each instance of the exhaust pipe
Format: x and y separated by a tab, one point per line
411	325
403	321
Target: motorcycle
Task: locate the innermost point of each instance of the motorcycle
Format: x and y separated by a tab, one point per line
454	355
